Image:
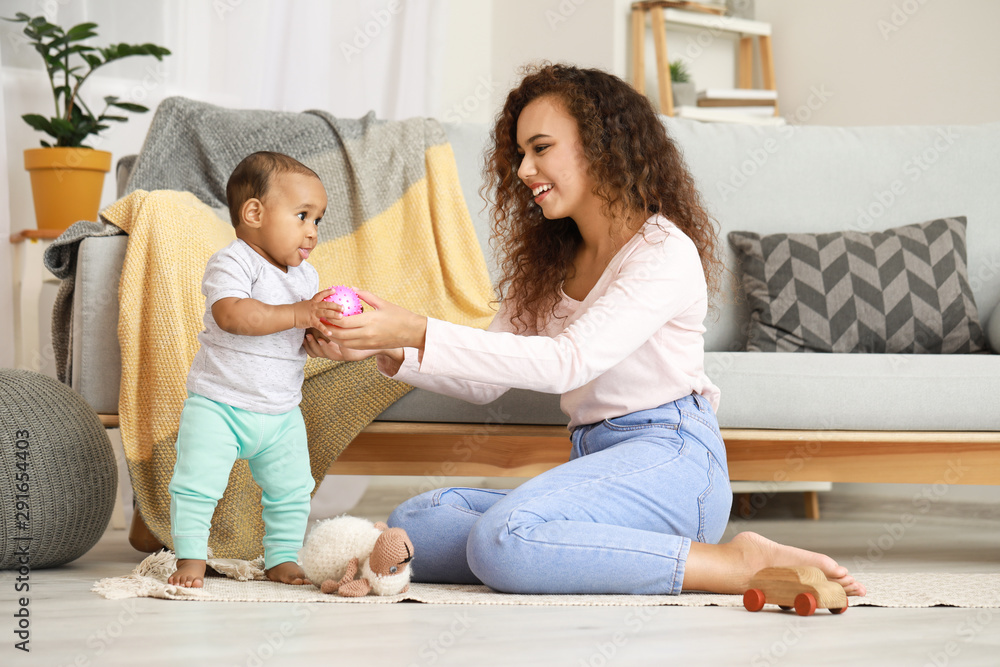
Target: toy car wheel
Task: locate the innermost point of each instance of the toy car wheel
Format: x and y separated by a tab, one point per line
783	607
840	610
805	604
753	599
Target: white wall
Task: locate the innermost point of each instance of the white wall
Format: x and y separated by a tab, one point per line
468	86
573	31
888	61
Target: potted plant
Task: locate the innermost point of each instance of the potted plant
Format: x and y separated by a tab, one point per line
67	176
681	84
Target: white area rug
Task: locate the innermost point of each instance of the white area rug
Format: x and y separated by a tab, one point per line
247	585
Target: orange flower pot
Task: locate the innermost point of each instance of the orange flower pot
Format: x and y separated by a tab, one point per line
66	184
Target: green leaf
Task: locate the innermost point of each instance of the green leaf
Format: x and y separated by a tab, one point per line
156	51
62	125
41	27
43	50
74	35
81	31
46	144
120	119
77	48
128	106
38	122
110	99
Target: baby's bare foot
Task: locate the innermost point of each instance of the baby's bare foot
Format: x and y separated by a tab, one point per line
728	568
288	572
190	573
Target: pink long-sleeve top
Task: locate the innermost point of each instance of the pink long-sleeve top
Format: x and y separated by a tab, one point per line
635	342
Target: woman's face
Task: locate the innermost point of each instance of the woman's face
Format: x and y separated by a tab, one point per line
553	164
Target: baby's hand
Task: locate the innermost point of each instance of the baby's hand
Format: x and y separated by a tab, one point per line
314	312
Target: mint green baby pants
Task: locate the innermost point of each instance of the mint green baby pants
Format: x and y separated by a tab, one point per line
211	437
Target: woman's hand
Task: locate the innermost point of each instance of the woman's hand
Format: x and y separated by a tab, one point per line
386	327
318	346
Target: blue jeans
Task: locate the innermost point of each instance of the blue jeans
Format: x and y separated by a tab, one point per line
619	517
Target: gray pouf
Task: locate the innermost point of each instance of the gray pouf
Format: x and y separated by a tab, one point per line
58	475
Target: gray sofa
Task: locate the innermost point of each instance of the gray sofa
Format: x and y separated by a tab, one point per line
786	416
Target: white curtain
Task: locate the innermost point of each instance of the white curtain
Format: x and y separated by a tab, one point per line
348	58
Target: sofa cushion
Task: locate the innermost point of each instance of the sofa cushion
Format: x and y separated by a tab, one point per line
857	392
903	290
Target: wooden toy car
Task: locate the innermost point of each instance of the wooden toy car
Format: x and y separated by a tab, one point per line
804	588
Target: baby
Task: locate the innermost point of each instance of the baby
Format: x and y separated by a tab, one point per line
245	383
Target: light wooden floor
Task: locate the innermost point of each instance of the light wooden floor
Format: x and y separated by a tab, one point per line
72	626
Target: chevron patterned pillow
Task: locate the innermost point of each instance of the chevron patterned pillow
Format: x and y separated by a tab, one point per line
904	290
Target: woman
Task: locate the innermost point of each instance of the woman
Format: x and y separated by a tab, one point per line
607	258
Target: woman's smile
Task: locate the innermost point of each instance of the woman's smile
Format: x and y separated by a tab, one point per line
540	190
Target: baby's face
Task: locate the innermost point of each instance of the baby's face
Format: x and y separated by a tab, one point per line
291	212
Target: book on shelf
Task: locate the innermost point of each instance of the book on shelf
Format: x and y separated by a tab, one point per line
737	102
739	110
747	95
748	115
718	8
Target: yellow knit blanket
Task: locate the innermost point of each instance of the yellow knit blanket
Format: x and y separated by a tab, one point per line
421	252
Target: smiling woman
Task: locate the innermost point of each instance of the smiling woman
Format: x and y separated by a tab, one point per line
622	178
608	260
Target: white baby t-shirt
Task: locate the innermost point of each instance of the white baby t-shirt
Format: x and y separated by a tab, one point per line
257	373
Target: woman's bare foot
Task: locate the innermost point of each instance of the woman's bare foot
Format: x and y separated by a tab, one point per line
728	568
288	572
190	573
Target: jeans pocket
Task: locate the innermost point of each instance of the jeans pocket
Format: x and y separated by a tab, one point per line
641	420
634	422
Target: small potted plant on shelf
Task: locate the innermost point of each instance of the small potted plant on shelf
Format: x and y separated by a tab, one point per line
67	176
681	84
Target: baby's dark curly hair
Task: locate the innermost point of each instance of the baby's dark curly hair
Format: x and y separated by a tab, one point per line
637	168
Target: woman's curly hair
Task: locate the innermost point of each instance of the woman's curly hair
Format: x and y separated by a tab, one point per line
636	166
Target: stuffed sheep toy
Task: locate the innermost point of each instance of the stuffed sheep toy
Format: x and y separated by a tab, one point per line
338	550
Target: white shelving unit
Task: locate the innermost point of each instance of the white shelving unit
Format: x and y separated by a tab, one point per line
661	16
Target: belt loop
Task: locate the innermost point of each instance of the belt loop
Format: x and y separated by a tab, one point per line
699	400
